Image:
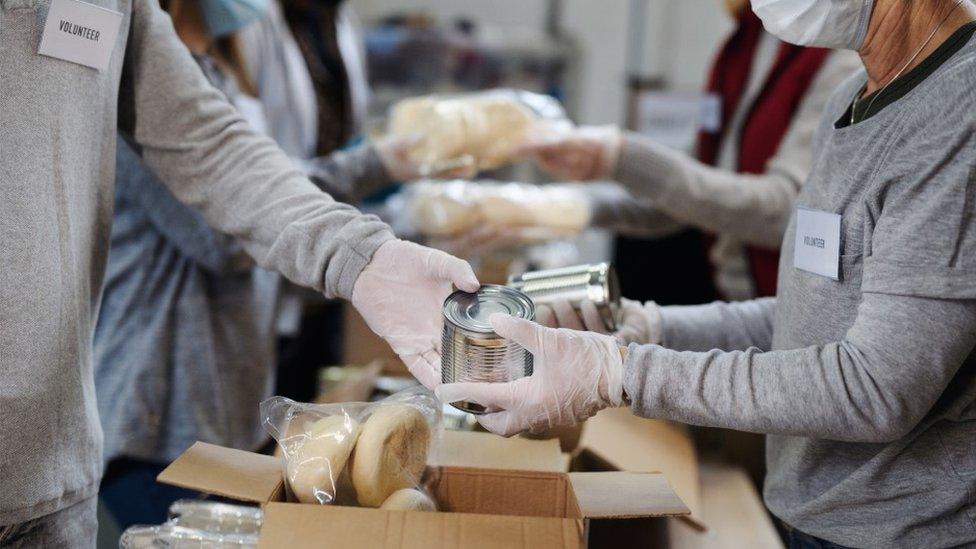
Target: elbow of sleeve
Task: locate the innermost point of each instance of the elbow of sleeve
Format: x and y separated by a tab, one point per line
890	427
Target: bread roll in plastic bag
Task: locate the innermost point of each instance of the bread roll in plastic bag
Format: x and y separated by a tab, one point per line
479	130
354	453
449	208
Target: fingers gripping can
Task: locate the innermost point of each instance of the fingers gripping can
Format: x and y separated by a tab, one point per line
471	350
597	283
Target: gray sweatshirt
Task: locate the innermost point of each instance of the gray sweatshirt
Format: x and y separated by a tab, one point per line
58	125
866	384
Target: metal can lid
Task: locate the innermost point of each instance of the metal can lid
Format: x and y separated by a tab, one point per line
470	311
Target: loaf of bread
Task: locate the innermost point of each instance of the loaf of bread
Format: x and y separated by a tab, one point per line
485	127
391	453
316	464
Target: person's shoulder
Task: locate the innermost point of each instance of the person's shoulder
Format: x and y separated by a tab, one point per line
950	92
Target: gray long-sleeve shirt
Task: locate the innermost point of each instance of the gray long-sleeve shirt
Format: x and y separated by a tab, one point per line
58	125
184	344
866	384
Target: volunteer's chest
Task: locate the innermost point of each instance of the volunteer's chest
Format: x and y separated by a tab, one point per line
825	244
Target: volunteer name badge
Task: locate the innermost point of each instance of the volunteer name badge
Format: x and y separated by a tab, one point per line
817	247
81	33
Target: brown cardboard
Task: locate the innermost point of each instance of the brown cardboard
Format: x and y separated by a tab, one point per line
361	346
227	472
615	439
469	449
491	508
357	387
621	495
733	511
297	526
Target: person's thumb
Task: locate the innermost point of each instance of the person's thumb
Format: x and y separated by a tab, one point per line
444	266
519	330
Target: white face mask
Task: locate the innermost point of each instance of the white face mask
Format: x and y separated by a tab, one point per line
837	24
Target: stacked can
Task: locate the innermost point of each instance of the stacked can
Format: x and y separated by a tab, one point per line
471	350
597	283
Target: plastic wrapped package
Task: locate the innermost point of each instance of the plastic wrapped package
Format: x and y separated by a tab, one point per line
541	212
357	453
170	536
215	517
479	130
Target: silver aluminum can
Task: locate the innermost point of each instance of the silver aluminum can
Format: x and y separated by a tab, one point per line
597	283
471	350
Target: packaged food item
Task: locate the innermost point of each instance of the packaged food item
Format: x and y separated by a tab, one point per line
478	130
448	208
355	452
215	517
179	537
470	348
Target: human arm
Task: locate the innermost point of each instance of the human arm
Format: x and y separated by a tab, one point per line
182	227
874	385
243	185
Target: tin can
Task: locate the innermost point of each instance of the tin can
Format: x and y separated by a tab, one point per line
471	350
597	283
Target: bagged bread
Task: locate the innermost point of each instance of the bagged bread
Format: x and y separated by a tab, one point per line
388	441
480	129
391	453
409	499
449	208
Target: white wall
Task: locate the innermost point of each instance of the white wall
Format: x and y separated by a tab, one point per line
680	38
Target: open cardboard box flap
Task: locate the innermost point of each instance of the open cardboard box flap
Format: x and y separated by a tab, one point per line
615	439
226	472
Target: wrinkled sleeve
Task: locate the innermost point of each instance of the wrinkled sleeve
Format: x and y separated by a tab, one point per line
875	385
241	182
734	326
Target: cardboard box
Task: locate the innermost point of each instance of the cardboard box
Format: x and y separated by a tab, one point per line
733	510
486	502
617	440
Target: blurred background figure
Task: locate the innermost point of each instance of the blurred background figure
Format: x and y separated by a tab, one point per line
185	342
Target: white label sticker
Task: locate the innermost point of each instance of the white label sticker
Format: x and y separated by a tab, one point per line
817	247
80	33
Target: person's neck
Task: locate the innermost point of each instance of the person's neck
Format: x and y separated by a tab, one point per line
898	28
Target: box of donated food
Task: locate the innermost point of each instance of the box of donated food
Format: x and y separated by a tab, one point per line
491	492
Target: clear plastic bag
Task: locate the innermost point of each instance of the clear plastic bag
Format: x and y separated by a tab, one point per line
357	453
474	131
178	537
539	212
215	517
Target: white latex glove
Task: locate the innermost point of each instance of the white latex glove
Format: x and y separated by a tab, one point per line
561	314
576	374
394	152
639	323
400	294
586	153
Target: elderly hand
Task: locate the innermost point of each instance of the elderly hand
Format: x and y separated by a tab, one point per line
586	153
576	374
638	323
400	294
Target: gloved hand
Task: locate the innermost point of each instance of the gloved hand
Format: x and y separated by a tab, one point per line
561	314
638	323
394	153
586	153
400	294
576	374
